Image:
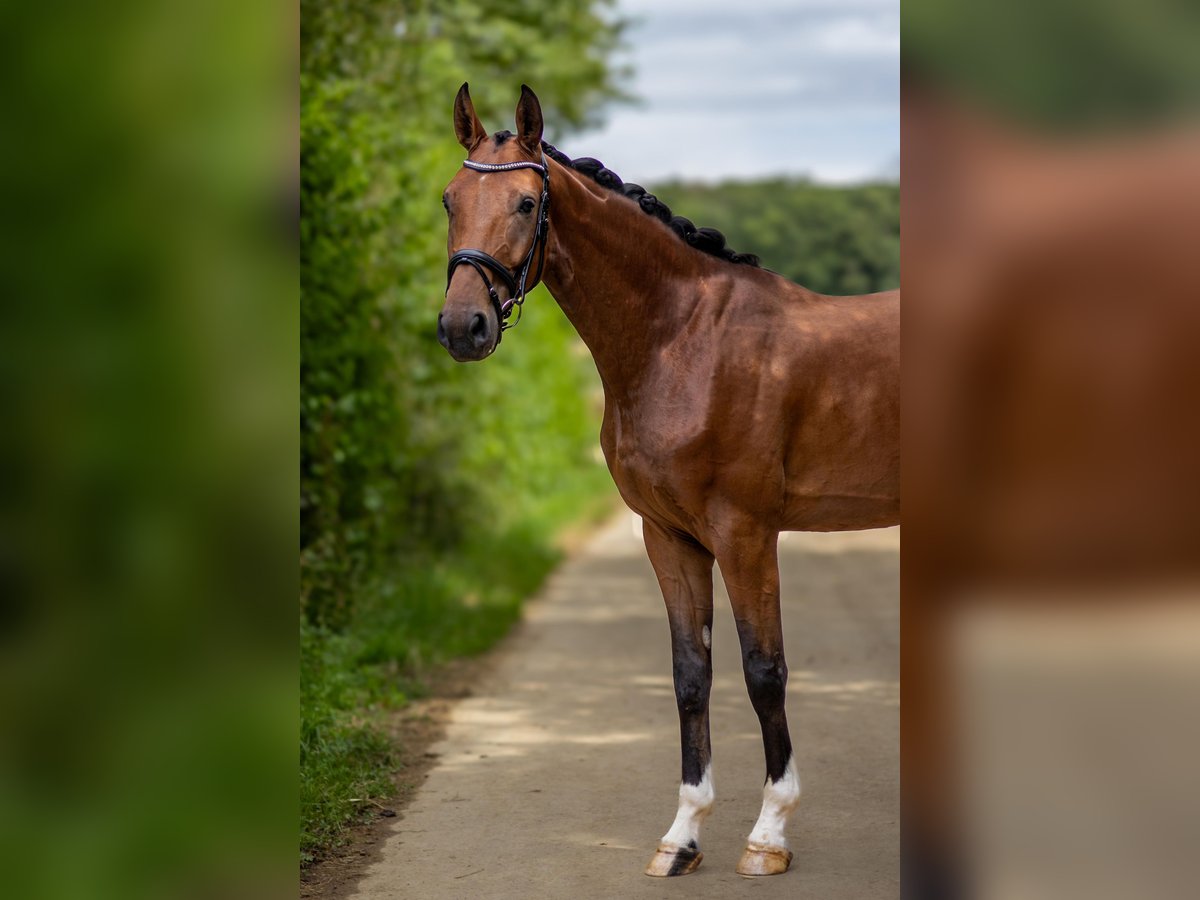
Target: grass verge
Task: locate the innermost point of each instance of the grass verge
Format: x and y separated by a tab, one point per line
406	623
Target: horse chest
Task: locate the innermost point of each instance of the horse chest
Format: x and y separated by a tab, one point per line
659	466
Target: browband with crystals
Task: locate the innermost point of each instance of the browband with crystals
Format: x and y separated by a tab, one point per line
502	167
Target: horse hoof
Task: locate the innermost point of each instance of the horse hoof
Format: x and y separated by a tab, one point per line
759	859
674	861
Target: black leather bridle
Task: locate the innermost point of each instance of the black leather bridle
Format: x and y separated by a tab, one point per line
479	261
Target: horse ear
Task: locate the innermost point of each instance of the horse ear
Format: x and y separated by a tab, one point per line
529	121
467	127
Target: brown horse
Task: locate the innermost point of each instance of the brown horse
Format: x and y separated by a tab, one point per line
737	405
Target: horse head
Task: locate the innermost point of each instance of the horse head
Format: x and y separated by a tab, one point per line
498	205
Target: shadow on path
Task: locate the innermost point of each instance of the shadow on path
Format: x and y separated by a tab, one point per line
558	777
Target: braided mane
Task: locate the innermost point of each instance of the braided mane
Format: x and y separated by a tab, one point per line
707	240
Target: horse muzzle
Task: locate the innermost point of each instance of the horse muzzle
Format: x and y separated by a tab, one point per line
469	336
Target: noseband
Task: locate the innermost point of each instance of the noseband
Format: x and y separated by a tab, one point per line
480	261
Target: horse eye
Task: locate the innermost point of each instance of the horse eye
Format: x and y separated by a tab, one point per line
526	206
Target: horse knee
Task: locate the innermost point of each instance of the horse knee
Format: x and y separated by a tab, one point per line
766	680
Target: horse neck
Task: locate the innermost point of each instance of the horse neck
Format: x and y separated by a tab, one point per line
619	275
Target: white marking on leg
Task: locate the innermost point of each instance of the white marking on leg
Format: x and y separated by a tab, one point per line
780	799
695	803
706	637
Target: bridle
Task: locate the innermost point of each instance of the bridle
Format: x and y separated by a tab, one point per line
479	261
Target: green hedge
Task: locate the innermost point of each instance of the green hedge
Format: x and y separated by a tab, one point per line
406	454
431	491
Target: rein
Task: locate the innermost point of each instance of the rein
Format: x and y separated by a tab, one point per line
479	260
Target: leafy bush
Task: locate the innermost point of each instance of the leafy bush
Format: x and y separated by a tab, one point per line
430	491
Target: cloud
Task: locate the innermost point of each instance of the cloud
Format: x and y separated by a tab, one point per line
744	75
647	146
874	36
689	8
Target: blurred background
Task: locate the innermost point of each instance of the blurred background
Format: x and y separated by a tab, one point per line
1051	642
435	496
148	473
148	352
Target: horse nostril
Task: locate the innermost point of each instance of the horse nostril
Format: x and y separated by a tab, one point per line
441	333
479	329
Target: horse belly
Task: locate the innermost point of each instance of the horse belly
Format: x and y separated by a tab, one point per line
844	476
840	513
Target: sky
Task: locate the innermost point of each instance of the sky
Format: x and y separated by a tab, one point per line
748	88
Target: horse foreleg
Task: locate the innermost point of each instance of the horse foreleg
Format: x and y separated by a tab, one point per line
751	572
684	571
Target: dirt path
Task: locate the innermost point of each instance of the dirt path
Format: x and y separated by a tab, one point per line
558	777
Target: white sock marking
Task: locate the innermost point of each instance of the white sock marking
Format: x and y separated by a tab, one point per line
706	637
695	803
780	799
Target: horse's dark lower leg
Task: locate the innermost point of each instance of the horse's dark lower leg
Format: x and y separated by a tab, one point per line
766	681
751	574
684	571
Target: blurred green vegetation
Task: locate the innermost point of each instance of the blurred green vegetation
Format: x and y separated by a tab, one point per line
431	492
1073	65
147	469
835	240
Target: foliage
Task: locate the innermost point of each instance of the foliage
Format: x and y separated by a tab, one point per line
392	431
430	491
1090	65
832	239
405	623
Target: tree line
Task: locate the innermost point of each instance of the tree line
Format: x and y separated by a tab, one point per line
835	240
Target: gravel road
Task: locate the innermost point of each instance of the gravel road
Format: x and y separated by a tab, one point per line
559	775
